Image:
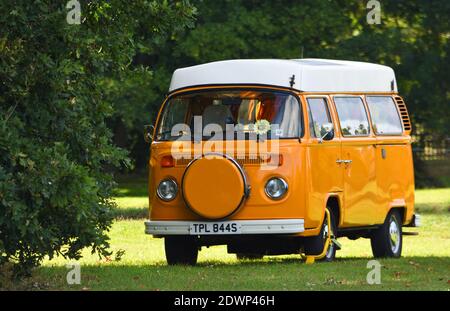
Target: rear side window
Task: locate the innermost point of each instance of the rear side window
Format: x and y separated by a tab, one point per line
385	118
318	116
352	116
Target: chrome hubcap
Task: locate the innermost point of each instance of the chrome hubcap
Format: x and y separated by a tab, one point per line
394	236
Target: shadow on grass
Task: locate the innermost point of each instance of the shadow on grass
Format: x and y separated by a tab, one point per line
130	213
408	273
432	208
296	259
132	189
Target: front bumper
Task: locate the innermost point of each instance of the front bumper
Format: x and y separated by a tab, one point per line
266	226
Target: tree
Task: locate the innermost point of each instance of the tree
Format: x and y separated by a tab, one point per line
228	29
413	38
56	150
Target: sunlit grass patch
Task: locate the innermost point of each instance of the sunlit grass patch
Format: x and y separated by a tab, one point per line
425	265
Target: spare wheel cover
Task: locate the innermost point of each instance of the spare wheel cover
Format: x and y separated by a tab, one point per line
214	186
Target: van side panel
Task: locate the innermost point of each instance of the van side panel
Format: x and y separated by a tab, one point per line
395	178
360	183
324	176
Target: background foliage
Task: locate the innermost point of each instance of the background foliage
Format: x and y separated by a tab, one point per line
413	38
56	151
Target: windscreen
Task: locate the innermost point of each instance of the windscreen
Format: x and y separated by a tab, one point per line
271	113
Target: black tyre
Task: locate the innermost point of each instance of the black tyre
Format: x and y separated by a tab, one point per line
387	241
245	256
314	245
181	250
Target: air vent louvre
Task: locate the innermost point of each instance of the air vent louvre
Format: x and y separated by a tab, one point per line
403	113
247	160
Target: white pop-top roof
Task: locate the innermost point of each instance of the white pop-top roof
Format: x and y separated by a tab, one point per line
311	75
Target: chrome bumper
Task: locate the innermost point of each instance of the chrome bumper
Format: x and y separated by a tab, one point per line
269	226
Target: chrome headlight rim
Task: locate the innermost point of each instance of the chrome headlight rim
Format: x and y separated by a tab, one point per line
285	185
158	191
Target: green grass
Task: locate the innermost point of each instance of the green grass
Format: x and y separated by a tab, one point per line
415	273
425	264
136	187
433	200
132	200
131	208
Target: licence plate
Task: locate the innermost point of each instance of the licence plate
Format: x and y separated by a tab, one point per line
208	228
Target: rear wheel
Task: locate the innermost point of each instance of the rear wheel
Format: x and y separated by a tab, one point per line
387	240
181	250
314	245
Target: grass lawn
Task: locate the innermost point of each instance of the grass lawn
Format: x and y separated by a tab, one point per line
433	200
425	264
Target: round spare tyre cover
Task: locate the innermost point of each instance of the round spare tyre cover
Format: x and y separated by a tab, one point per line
214	186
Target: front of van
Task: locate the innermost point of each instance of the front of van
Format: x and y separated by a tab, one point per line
230	165
225	168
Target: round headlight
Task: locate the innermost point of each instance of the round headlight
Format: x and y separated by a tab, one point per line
276	188
167	190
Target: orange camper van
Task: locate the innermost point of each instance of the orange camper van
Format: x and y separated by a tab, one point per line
273	157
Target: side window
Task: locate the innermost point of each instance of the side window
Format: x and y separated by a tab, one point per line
385	118
352	116
318	116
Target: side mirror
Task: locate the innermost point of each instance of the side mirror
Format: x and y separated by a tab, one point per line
148	133
328	130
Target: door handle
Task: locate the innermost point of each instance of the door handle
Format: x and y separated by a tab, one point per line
344	161
383	153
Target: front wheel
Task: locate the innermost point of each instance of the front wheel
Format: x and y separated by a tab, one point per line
314	245
387	240
181	250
